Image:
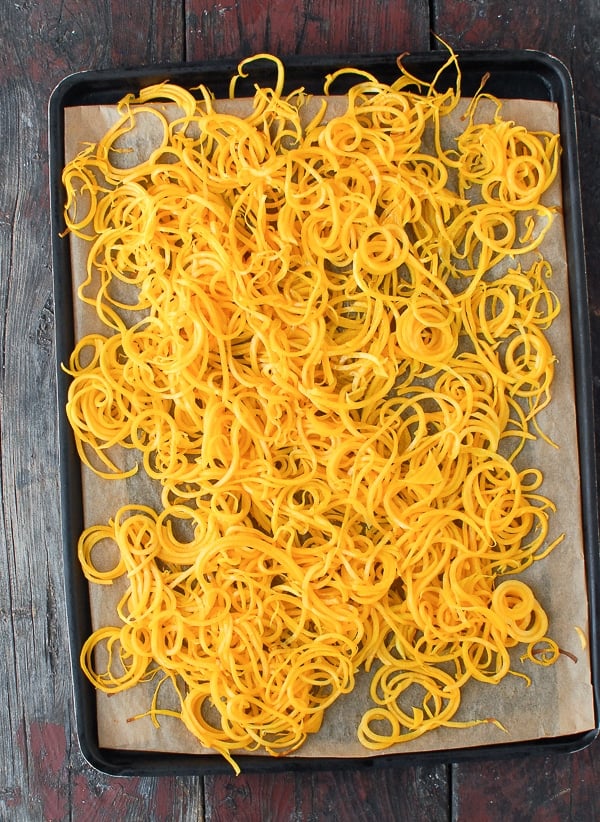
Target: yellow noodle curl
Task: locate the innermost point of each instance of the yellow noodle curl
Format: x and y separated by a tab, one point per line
308	347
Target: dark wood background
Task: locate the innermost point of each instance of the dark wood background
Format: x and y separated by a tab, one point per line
42	773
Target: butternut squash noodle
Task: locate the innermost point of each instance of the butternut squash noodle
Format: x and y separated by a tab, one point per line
326	344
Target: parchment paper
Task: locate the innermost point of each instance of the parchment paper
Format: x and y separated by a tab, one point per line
559	700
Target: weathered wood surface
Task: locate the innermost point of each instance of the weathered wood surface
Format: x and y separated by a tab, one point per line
42	775
216	29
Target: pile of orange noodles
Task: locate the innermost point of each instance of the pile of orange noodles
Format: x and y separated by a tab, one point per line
324	343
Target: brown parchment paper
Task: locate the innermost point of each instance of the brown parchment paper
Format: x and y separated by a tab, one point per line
559	700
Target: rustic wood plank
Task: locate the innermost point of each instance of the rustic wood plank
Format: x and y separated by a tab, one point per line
43	775
233	29
147	33
418	794
494	24
561	786
67	788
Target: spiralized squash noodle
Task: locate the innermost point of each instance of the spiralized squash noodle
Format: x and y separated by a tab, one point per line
326	344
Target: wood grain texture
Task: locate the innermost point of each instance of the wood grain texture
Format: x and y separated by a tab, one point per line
418	794
536	788
232	28
495	24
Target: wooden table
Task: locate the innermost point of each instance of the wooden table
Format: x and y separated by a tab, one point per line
42	773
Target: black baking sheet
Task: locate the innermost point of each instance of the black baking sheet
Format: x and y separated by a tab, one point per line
515	74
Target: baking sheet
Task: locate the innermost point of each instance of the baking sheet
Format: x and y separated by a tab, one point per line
560	699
